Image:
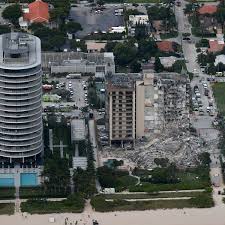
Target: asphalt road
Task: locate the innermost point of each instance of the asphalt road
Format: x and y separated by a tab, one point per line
92	21
203	124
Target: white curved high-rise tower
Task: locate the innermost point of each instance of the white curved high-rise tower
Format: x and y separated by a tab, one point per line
20	96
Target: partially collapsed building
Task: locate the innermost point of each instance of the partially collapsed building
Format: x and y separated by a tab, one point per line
144	104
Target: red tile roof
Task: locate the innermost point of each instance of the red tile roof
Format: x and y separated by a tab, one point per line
215	46
208	9
165	46
38	12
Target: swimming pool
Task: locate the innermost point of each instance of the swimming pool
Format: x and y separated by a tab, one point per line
28	179
6	180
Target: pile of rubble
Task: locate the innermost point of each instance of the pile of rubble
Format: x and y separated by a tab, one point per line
177	144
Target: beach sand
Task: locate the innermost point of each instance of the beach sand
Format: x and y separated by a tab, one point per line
211	216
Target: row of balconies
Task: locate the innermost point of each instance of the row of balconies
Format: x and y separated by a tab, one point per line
20	97
20	154
20	126
20	103
21	108
19	143
20	120
20	85
21	92
21	149
21	132
21	73
25	137
18	114
16	80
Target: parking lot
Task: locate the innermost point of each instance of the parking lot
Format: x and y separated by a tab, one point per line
92	21
76	88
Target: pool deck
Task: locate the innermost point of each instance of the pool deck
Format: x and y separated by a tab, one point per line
17	171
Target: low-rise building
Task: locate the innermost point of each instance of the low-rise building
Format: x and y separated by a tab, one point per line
93	47
35	12
216	46
119	29
98	64
138	19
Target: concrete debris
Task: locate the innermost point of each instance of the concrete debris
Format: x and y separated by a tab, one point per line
178	145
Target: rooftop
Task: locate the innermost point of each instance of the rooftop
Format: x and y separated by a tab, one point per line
219	59
207	9
215	46
165	46
62	58
122	80
78	129
19	51
38	12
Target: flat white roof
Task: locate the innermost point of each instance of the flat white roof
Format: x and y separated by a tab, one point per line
78	129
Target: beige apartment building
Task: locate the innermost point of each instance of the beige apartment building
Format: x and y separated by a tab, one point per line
120	109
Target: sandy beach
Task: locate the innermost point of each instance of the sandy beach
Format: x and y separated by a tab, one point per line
211	216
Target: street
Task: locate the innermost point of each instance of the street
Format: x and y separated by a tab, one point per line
202	123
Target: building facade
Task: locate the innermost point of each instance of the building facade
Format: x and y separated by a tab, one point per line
20	97
120	109
99	64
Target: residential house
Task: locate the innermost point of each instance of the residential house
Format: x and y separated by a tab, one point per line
216	46
95	46
35	12
208	22
166	46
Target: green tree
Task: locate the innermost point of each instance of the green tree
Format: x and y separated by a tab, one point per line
12	13
131	12
163	162
124	53
4	29
110	45
57	41
147	48
56	174
135	67
78	44
204	158
72	27
100	2
35	26
84	182
158	66
165	175
141	31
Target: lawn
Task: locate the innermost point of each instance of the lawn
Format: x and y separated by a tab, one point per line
72	205
153	195
6	208
113	178
203	200
7	193
219	94
190	179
